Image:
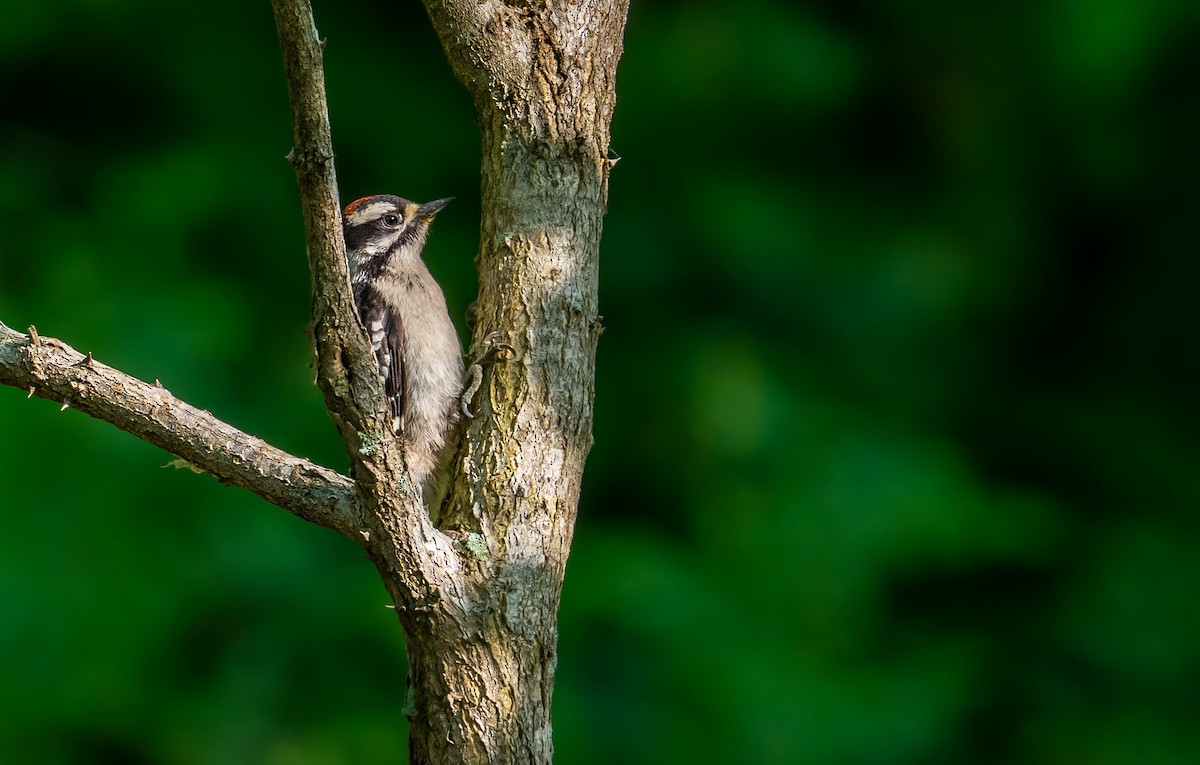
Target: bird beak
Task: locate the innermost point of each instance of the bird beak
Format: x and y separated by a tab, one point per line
430	209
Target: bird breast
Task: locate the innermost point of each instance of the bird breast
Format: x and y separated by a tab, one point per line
431	356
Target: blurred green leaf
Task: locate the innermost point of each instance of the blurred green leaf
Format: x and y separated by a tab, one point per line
895	417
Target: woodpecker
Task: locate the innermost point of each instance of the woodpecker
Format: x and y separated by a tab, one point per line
404	312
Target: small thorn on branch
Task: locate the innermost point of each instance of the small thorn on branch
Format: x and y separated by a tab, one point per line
366	535
31	392
34	338
86	361
65	406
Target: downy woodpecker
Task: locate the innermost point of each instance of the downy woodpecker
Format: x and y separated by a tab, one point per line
404	312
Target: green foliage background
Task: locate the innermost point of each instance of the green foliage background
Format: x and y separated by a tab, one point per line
896	425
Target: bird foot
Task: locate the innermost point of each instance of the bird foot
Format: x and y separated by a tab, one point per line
493	352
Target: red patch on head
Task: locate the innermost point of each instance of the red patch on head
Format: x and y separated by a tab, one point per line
350	208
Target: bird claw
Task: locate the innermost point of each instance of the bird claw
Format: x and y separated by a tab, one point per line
474	381
491	354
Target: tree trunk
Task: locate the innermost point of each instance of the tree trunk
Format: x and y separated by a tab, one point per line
543	81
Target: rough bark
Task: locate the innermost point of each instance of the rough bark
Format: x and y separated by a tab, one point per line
542	77
477	587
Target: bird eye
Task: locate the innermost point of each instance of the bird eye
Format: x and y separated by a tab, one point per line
391	220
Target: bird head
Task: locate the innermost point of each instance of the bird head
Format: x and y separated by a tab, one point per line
378	225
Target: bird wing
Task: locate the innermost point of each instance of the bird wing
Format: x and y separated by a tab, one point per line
387	342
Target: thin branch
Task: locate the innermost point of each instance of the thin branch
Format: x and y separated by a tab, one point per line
346	369
50	369
415	557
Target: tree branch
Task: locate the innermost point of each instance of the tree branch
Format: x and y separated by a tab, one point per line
545	94
346	369
413	556
53	370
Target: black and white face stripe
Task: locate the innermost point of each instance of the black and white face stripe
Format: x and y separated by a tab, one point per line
373	227
383	226
375	224
371	209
